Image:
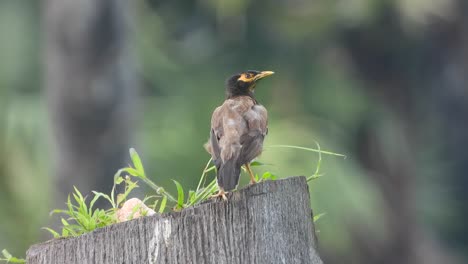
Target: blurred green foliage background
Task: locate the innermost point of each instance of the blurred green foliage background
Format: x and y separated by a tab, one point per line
383	82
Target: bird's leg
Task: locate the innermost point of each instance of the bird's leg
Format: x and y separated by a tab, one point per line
252	176
221	194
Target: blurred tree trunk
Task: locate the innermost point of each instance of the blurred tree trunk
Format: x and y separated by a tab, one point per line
90	90
413	77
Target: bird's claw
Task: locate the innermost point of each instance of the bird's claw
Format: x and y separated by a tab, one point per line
221	194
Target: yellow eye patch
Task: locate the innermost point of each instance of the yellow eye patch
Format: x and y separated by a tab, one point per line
246	77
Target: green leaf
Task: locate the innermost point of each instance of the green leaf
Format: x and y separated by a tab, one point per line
53	232
147	198
83	220
111	198
120	198
98	195
317	217
6	254
212	168
319	163
137	162
133	172
130	185
155	204
71	230
80	200
256	163
91	204
206	193
163	204
203	176
58	211
69	206
16	260
314	177
144	212
64	222
10	259
180	194
119	179
191	196
65	232
268	176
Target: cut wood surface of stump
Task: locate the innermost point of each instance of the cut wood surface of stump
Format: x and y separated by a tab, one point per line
269	222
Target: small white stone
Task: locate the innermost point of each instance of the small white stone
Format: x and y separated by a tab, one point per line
133	208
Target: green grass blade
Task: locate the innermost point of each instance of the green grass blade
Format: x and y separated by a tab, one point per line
6	254
212	168
81	201
53	232
268	176
117	178
317	217
103	195
159	190
257	163
71	211
202	177
71	230
64	232
163	205
155	204
205	193
111	198
137	162
10	259
123	196
308	149
191	196
91	204
148	198
58	211
64	222
314	177
180	194
319	163
133	172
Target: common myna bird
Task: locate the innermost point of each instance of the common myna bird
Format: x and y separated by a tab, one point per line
238	128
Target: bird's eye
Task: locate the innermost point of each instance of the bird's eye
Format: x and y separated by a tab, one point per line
245	77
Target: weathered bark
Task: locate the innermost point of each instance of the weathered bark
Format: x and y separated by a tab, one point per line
90	86
269	222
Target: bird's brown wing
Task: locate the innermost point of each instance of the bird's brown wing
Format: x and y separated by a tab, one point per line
252	141
215	134
228	125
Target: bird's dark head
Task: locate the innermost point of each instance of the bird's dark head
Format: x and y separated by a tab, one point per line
244	83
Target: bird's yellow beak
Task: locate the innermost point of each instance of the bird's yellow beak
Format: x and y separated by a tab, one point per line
262	75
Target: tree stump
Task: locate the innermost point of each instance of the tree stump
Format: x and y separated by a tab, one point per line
269	222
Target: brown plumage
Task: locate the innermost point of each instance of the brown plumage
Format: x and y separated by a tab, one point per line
238	128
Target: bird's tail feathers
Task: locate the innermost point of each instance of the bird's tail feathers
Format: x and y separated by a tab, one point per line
228	175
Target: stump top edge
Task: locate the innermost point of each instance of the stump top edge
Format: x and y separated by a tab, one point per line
260	188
